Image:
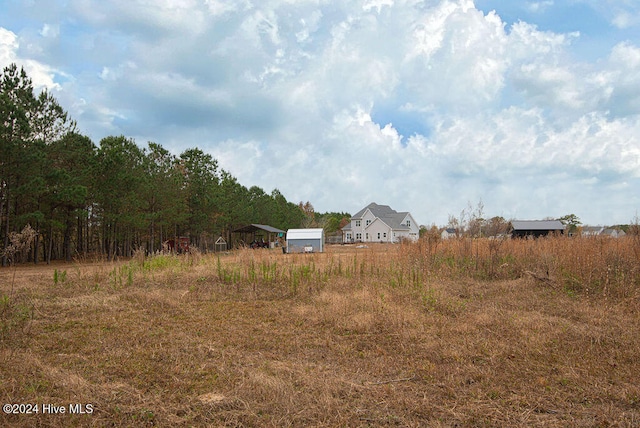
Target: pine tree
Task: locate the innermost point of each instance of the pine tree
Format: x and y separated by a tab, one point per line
16	106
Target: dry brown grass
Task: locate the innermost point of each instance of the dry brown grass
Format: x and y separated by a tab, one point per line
380	336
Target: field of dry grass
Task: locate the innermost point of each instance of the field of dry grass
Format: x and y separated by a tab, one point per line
461	333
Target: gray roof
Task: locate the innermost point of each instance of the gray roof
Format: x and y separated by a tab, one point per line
395	220
268	228
254	227
592	229
376	210
537	225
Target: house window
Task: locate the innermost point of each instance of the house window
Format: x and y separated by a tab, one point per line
409	223
358	236
368	222
367	235
378	235
348	237
384	235
357	223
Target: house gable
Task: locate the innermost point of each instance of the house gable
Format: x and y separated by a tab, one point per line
409	221
378	230
368	218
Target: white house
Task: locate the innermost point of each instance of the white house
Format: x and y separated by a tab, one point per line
602	231
449	233
380	223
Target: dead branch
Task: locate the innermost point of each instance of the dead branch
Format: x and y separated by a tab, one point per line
382	382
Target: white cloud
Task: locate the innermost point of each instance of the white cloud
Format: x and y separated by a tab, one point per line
41	75
527	42
626	57
458	60
622	14
623	20
161	18
420	105
539	6
51	31
8	46
224	7
377	5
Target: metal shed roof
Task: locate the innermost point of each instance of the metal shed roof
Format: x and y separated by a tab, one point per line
304	234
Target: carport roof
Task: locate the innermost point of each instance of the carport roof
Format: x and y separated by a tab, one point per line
255	227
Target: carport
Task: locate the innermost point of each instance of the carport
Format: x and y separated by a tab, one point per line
257	236
536	228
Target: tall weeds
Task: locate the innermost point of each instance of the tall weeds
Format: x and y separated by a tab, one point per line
598	265
594	266
16	312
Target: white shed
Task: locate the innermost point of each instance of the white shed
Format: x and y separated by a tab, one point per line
305	240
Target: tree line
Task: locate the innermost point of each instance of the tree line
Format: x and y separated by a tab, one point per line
115	197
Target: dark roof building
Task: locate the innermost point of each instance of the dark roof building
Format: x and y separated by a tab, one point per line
535	228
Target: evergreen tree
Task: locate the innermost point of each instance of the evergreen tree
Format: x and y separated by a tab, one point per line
71	162
200	184
49	124
161	195
16	106
118	178
117	196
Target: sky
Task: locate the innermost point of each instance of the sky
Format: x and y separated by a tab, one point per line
530	109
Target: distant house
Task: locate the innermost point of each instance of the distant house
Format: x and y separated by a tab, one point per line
380	223
591	230
602	231
449	233
535	228
614	233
